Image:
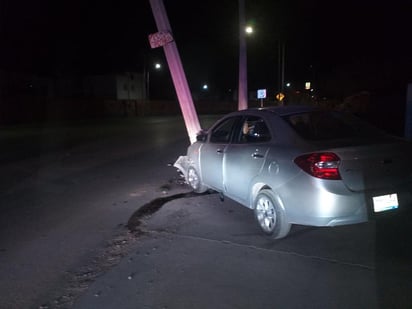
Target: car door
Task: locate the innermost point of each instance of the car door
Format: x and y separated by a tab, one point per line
212	153
245	157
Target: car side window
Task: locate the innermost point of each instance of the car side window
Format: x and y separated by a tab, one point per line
253	130
223	132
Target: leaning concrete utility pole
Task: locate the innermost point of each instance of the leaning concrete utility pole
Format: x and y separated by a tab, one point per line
164	38
242	88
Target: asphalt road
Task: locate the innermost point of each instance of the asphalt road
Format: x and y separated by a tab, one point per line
94	216
199	252
65	192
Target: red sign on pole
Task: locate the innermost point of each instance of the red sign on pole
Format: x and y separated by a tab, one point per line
159	39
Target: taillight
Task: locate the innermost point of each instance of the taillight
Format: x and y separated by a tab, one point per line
323	165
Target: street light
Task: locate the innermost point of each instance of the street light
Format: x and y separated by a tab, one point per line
157	66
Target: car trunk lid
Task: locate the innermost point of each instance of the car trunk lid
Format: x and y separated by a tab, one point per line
374	166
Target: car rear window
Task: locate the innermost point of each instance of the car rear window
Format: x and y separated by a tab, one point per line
328	125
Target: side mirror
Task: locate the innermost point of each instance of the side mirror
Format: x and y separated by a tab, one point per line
201	136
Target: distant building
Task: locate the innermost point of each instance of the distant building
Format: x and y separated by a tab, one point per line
122	86
119	86
20	83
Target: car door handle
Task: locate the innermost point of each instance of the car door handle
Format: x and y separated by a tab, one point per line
257	155
219	151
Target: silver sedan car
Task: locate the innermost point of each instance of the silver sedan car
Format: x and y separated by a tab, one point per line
301	165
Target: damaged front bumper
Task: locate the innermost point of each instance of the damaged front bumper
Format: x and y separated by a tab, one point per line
182	165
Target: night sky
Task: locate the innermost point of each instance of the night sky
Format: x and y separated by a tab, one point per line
345	46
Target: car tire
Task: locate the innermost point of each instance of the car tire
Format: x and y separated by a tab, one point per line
193	179
270	215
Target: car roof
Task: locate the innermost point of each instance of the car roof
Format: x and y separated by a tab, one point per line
280	110
291	109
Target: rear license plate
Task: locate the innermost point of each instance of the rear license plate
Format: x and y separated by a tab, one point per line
385	202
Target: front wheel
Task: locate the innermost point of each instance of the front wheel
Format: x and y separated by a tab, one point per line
194	181
270	215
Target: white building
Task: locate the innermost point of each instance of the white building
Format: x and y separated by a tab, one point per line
122	86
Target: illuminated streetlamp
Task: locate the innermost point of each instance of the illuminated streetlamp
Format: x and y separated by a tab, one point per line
157	66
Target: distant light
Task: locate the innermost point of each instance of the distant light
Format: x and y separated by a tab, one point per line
249	30
205	87
288	84
307	85
158	66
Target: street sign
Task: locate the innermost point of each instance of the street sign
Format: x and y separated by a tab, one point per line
261	94
159	39
280	96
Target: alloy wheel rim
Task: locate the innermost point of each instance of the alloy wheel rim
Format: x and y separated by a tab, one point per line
266	214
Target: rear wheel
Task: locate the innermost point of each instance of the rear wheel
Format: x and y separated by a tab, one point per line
270	215
194	181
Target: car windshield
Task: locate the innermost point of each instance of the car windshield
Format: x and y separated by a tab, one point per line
329	125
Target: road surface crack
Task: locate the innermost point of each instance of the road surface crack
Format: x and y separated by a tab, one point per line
155	205
283	252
